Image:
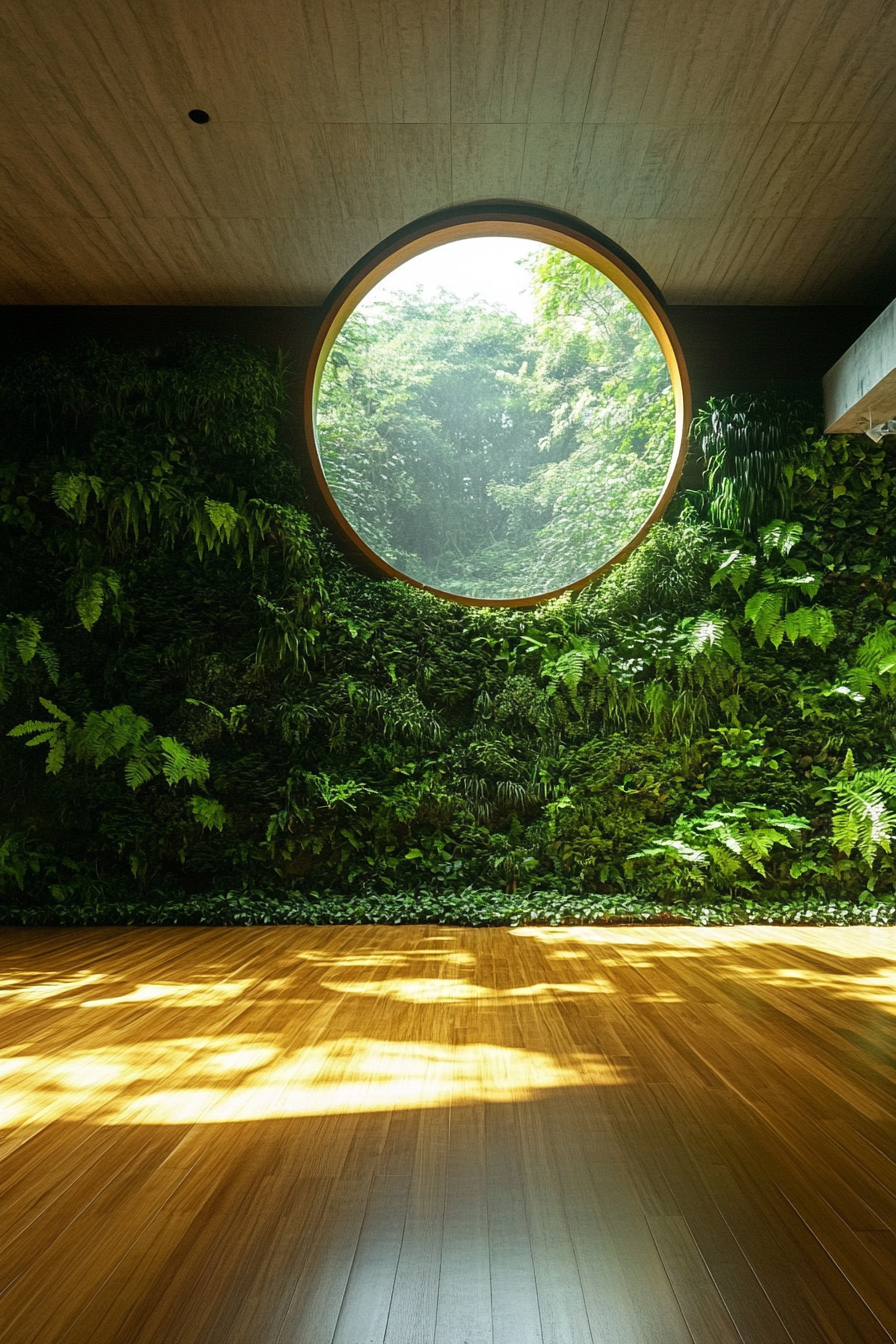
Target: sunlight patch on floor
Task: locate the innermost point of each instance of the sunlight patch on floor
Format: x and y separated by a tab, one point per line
17	990
188	996
235	1079
441	990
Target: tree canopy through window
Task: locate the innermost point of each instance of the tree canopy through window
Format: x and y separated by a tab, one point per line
490	456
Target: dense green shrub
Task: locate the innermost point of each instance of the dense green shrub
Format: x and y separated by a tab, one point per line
209	716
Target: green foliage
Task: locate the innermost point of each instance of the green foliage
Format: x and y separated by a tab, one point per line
21	640
736	842
208	812
117	733
234	726
669	574
479	908
748	443
875	660
764	612
94	587
862	820
52	733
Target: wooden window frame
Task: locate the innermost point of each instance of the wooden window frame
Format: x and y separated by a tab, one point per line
507	221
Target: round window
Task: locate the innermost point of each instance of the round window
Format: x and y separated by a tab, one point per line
497	408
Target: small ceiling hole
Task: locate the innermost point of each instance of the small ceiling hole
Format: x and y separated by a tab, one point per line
199	116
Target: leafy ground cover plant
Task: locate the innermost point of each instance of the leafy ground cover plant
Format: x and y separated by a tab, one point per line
208	716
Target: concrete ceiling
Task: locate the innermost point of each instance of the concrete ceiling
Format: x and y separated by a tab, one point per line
741	150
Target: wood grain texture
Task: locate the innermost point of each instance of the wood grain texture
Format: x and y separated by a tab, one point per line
743	153
421	1136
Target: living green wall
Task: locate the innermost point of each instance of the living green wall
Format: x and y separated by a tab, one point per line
209	715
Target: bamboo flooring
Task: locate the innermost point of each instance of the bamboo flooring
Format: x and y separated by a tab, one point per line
448	1136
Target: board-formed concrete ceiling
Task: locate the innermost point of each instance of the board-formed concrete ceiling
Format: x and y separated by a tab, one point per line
744	151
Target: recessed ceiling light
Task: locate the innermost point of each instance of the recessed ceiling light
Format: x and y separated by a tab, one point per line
199	116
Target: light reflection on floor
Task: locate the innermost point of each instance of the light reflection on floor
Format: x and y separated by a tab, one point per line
261	1082
848	945
221	1075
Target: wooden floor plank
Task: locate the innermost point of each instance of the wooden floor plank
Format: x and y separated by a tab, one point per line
366	1303
415	1292
464	1305
426	1136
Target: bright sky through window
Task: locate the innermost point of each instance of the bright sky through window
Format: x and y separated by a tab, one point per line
484	268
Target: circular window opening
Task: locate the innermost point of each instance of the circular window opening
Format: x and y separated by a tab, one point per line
497	410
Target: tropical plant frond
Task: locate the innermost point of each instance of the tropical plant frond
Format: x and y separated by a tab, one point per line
747	442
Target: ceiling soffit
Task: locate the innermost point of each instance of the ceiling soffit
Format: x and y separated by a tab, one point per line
742	153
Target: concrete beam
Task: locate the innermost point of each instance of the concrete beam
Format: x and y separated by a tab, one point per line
860	390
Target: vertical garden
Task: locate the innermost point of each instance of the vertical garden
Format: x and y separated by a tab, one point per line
209	716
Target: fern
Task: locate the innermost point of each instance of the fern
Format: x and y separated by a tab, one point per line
862	819
813	623
52	733
27	636
876	662
763	611
807	583
731	839
283	637
403	716
570	668
134	509
223	517
179	763
113	734
141	768
660	701
72	492
92	593
846	830
21	639
208	812
736	568
110	733
674	848
779	536
741	831
50	660
710	632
